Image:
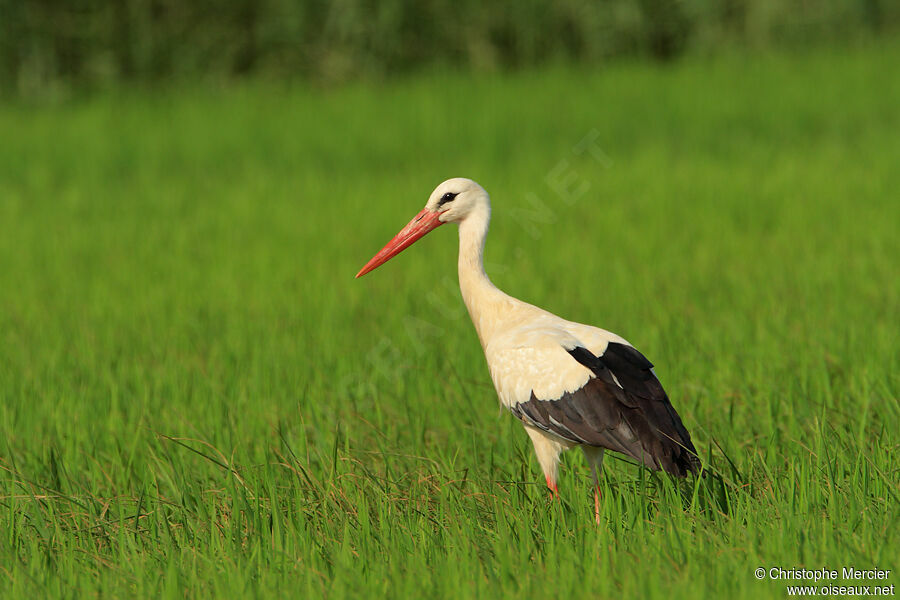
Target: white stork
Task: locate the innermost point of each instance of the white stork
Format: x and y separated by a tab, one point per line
570	384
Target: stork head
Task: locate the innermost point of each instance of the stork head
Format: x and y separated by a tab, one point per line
455	199
450	202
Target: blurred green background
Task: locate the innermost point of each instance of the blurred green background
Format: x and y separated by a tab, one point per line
48	44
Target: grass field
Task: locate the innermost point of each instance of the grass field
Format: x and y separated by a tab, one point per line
197	399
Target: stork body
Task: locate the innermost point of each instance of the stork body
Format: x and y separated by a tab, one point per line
569	384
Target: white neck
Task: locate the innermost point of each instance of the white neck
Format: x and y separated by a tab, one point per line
483	300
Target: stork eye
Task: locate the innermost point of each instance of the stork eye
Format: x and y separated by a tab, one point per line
447	198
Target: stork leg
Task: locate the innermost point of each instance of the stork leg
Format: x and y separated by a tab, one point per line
547	449
551	484
594	457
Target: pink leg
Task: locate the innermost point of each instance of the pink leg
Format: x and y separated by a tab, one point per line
594	458
554	493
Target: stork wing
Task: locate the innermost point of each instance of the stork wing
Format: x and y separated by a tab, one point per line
621	406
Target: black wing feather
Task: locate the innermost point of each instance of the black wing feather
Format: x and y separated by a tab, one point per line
622	408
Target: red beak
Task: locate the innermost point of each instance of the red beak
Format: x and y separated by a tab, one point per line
421	224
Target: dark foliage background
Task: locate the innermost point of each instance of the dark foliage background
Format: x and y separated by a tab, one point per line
53	44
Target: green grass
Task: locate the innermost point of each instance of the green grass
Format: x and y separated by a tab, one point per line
197	399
